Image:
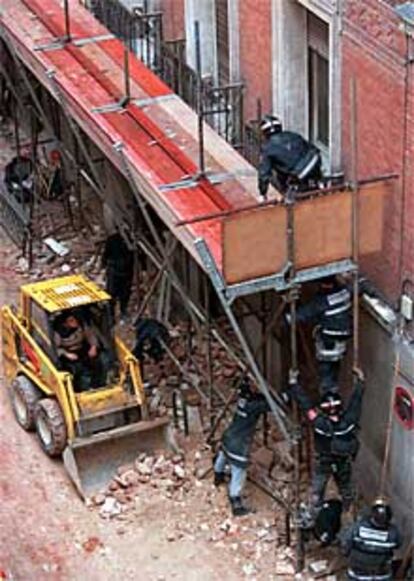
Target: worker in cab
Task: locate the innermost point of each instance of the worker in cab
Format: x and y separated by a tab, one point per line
335	428
330	313
236	443
370	543
287	159
78	350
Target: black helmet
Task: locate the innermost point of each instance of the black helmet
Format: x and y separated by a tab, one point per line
329	281
245	388
270	124
381	513
331	403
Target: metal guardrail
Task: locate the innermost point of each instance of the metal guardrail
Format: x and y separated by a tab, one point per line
142	31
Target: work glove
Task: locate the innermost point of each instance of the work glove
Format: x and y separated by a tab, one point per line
358	374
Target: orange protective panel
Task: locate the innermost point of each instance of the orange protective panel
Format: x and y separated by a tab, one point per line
323	230
254	244
323	226
373	200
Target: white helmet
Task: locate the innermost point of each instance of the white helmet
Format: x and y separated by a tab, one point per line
270	124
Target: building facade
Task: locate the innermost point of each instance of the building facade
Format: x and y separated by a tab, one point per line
298	59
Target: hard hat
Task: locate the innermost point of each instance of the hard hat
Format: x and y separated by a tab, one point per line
331	403
329	281
244	387
270	124
381	512
55	155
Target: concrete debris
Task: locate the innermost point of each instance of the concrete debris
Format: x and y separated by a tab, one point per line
22	265
98	499
318	566
91	544
56	246
179	472
249	569
110	508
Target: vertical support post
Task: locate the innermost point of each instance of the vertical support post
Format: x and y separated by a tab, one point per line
16	127
290	201
355	218
264	344
199	98
208	351
127	97
67	37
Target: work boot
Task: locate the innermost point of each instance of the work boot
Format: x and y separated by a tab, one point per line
219	478
238	507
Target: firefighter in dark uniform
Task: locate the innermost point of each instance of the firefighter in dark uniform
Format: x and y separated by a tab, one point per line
335	430
370	543
330	310
236	443
288	158
118	260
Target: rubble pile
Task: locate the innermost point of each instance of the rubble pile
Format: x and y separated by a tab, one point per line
195	510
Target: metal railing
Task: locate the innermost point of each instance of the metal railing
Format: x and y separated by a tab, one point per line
142	31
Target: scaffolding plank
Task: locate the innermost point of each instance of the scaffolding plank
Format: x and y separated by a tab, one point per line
323	230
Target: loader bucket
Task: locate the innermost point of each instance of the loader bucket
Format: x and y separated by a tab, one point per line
92	461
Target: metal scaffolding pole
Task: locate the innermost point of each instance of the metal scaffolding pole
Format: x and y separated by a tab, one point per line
208	261
355	218
200	111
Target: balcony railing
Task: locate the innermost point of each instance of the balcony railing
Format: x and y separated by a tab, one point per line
142	31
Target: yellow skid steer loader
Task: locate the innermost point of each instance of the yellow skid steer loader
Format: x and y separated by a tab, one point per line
91	410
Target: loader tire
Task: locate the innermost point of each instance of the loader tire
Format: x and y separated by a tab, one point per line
50	427
24	398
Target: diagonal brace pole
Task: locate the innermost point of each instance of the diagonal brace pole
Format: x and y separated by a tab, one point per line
220	289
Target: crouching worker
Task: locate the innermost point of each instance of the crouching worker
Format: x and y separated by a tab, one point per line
236	442
335	428
370	543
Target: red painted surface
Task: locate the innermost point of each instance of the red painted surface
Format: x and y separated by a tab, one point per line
31	355
85	84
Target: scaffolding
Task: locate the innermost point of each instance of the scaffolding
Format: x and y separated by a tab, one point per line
261	248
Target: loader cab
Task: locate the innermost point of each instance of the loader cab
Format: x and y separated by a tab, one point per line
44	307
97	319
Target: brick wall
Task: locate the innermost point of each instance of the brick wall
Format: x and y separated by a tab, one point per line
255	54
374	52
173	20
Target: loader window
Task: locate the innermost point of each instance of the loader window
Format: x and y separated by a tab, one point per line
39	328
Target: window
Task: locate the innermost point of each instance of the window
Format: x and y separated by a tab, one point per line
318	64
39	321
222	31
